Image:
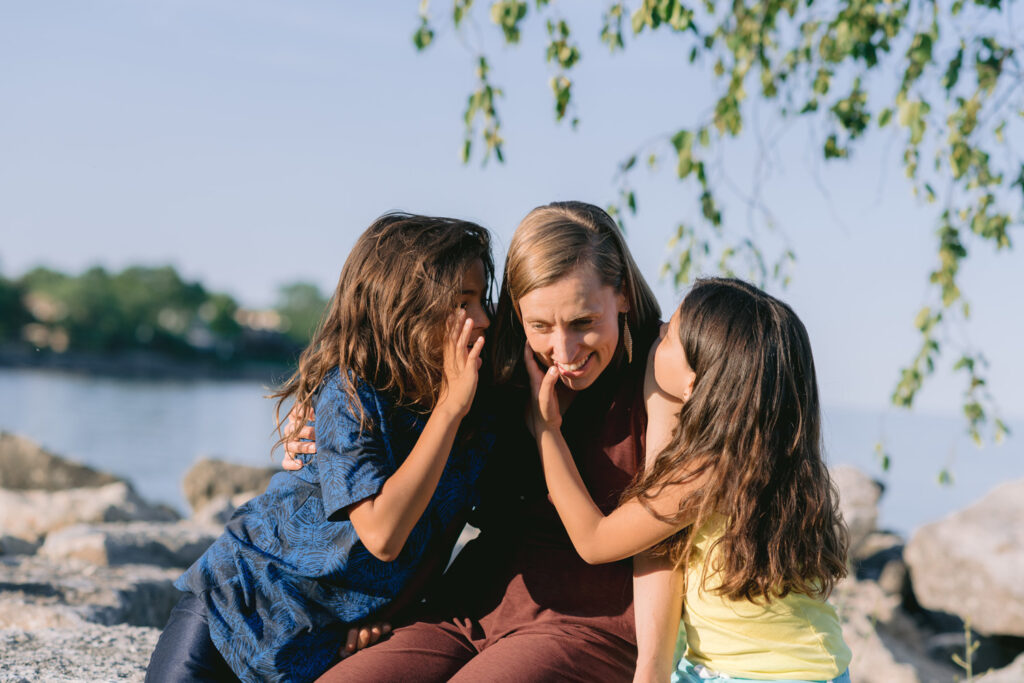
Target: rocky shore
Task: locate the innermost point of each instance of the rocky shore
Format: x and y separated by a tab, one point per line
87	566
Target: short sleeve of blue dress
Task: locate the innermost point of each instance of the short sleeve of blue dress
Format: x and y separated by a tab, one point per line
352	458
289	574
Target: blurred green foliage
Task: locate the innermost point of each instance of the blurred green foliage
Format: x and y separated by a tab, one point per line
151	309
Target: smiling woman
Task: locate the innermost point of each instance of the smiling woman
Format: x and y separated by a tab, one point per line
571	289
573	324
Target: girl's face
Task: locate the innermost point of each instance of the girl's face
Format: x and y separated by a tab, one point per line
573	324
471	299
672	372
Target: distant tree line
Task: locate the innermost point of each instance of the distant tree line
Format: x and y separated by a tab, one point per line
152	310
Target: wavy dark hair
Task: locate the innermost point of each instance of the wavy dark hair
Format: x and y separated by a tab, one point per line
751	433
550	243
387	321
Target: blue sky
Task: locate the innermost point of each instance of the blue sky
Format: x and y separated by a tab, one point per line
248	144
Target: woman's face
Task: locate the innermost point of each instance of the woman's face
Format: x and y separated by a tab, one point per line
573	324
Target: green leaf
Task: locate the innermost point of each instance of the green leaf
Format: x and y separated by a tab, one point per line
423	36
952	74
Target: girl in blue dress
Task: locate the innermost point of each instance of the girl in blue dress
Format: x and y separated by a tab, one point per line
391	374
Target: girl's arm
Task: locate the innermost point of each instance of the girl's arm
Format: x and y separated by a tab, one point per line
385	520
657	585
657	608
631	527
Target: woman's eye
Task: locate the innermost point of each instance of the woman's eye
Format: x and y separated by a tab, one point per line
463	305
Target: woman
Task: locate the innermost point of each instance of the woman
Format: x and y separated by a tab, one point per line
519	603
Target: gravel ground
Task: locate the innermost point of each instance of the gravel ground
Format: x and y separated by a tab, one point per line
90	653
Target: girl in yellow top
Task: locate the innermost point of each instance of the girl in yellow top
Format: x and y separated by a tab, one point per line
735	493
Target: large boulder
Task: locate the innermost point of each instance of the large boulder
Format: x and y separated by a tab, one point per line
886	643
31	514
970	564
36	593
858	501
24	464
158	543
89	652
214	480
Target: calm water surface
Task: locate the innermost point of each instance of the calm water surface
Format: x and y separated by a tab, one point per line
151	432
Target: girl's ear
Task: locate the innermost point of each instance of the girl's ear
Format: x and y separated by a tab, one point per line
689	389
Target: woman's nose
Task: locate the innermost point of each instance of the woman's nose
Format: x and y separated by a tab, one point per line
563	347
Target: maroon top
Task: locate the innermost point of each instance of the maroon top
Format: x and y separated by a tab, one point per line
523	569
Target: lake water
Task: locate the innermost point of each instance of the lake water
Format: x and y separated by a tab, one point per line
151	432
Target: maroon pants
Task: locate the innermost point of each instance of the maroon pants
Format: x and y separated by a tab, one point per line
460	651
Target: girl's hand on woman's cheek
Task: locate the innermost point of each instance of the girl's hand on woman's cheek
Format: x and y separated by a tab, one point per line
461	368
544	410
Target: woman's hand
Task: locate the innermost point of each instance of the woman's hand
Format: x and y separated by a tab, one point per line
461	368
296	446
545	412
360	637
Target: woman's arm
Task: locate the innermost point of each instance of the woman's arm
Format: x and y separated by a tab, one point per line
385	520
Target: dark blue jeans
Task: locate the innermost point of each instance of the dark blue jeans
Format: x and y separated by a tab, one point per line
185	651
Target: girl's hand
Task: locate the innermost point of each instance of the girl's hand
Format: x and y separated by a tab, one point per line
292	448
461	368
544	410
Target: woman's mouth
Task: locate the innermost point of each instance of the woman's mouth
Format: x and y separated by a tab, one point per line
574	369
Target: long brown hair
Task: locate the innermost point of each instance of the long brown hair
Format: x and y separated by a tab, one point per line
751	431
389	315
551	242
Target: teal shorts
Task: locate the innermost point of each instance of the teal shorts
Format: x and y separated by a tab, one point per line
688	672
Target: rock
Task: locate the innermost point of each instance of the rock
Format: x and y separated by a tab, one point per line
36	593
858	501
218	510
12	545
881	561
84	653
1014	673
970	563
886	644
32	514
26	465
157	543
209	479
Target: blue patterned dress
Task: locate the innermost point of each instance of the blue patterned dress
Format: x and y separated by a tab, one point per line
289	573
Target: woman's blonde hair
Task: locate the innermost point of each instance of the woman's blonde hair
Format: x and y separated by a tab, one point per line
549	244
387	321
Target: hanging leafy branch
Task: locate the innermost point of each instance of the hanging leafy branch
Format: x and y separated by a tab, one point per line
957	98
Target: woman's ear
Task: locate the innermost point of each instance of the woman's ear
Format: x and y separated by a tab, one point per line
621	302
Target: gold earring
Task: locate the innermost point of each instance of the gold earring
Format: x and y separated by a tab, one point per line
627	340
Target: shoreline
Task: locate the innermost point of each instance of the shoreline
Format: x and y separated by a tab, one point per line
146	365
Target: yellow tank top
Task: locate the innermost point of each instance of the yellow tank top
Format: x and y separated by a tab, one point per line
792	637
